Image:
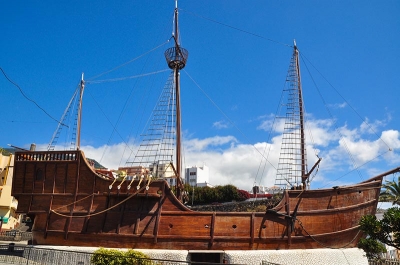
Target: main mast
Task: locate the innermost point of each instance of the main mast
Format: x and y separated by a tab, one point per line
176	58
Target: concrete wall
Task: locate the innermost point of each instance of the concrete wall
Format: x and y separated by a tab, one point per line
354	256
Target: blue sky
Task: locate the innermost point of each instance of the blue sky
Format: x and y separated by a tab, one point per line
239	53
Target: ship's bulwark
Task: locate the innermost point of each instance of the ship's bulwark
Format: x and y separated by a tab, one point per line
72	205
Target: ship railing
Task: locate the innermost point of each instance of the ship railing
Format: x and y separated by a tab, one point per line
15	236
47	156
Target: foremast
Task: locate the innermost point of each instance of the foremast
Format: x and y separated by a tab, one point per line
78	130
75	104
176	58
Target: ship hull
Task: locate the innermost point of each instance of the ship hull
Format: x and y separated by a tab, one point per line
72	205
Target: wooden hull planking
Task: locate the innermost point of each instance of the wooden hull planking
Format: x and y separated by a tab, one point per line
72	205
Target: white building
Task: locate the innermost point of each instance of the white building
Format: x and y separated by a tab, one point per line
198	176
157	170
163	171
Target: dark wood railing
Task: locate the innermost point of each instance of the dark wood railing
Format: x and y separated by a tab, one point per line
15	235
47	156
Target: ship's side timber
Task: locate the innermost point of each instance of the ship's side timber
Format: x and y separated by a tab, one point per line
72	205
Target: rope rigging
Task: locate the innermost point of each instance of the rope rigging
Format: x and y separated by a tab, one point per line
236	28
29	99
328	110
125	78
128	62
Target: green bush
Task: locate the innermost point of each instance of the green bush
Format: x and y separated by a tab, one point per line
107	256
115	257
207	195
137	257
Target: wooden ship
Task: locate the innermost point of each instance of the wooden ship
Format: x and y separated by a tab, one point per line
73	204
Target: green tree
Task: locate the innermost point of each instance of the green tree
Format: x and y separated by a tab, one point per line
386	230
206	195
391	192
372	247
227	193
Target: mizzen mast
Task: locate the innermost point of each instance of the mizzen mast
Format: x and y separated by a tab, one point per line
292	166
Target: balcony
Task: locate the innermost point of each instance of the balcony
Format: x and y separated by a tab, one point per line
14	204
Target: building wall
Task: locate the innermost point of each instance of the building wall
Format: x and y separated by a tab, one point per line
8	204
197	176
157	170
162	170
132	171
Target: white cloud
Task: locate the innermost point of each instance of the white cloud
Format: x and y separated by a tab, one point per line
320	132
201	144
269	121
111	156
221	125
372	127
338	105
242	165
237	164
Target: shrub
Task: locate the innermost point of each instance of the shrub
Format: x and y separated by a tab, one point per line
107	257
115	257
137	257
243	195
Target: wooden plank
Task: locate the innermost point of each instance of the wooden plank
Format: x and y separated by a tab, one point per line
212	229
69	220
85	226
252	228
159	209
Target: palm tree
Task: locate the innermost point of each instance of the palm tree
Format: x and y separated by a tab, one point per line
392	191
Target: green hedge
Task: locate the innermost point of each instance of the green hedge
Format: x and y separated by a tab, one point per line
115	257
207	195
